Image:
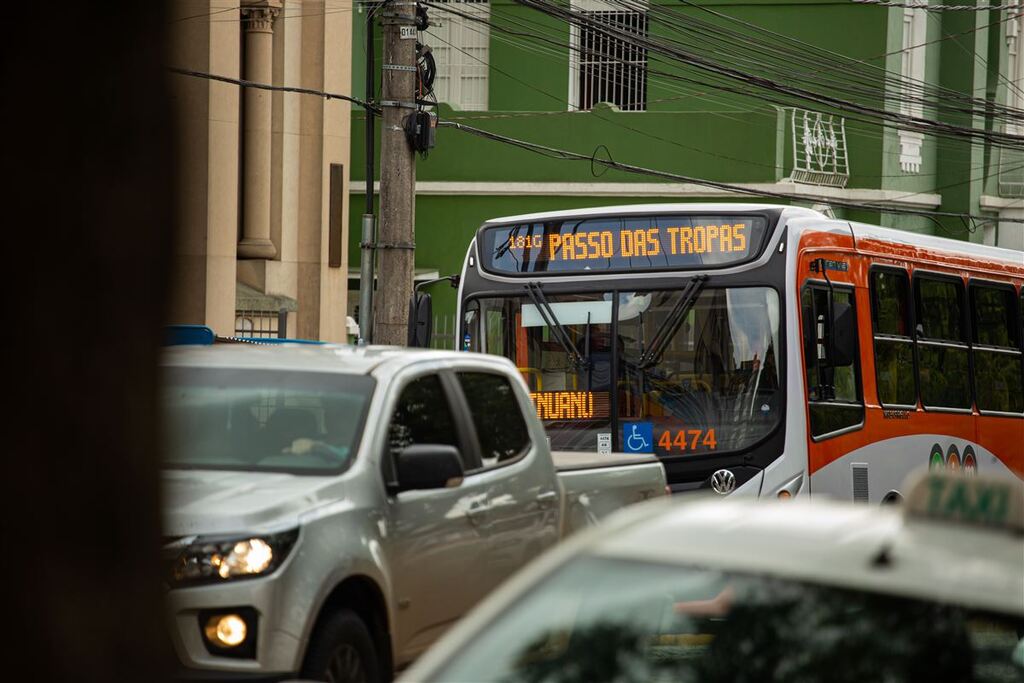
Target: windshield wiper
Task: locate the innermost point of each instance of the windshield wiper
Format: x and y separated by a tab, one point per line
669	327
558	331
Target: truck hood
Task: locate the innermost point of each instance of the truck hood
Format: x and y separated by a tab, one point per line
216	501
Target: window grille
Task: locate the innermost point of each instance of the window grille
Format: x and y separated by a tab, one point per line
460	46
257	324
608	67
819	148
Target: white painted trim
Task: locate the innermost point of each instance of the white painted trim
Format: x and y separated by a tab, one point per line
991	203
681	190
910	151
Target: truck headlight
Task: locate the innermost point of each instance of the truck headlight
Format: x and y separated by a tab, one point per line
212	559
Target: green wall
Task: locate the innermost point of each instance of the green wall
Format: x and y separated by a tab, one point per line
691	127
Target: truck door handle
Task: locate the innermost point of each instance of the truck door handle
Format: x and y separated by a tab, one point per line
547	498
477	513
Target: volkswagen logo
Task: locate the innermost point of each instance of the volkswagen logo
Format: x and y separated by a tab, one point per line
723	482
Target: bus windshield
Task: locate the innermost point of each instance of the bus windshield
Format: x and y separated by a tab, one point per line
687	371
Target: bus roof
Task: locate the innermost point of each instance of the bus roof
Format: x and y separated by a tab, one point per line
864	231
641	209
801	220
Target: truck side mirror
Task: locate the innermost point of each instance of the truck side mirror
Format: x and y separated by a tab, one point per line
421	321
429	466
844	335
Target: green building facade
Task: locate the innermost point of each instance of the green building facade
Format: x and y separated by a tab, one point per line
519	72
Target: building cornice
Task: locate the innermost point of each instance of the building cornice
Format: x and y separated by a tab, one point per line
993	203
811	193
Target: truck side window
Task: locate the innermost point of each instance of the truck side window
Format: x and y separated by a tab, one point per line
422	416
497	416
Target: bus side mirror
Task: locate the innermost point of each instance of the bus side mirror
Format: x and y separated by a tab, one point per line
844	335
421	321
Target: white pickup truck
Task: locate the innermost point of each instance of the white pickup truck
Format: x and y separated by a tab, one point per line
331	510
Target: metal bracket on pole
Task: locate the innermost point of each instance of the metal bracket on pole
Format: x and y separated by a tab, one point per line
391	245
397	20
399	104
399	67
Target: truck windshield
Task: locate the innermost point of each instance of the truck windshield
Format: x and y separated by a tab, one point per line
688	371
260	420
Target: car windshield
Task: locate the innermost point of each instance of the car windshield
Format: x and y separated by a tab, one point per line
602	619
687	371
253	420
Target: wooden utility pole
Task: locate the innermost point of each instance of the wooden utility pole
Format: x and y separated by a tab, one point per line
396	242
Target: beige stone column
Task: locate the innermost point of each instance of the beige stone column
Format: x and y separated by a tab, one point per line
259	61
205	37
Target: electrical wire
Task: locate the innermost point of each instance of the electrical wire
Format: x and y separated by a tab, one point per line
745	119
556	153
935	8
277	88
787	59
718	84
766	85
979	58
969	220
890	79
675	143
787	51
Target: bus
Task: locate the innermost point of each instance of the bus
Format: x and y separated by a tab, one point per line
756	349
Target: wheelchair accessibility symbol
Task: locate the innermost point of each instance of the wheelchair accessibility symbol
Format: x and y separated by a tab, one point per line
638	437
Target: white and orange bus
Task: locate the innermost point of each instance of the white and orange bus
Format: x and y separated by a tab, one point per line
757	349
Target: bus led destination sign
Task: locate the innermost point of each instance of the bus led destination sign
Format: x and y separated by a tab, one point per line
572	405
623	243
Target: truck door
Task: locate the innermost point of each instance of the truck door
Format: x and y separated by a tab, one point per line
435	537
517	474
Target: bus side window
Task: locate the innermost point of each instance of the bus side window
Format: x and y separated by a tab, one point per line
996	347
894	347
833	379
942	351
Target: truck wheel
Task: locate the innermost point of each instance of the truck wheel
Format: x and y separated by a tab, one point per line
342	651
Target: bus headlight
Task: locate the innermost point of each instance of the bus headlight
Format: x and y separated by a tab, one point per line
213	559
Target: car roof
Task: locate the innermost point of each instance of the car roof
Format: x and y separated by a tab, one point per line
840	544
337	358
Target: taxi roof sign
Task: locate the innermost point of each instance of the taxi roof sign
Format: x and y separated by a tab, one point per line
981	501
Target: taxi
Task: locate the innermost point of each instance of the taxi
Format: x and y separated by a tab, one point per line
740	590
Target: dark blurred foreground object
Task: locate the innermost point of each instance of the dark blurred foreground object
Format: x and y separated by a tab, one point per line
87	167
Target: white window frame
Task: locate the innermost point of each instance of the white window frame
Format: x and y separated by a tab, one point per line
461	49
574	46
912	73
1014	67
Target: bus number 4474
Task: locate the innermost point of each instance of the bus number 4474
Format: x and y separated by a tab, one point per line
687	439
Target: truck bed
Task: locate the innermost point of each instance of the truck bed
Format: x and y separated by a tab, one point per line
596	485
576	460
